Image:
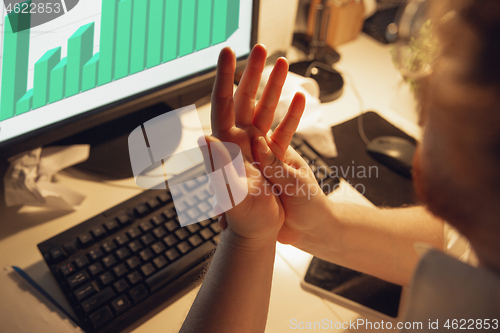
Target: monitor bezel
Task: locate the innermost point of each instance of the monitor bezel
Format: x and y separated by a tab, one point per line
114	110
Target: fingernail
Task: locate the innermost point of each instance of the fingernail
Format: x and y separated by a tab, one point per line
263	148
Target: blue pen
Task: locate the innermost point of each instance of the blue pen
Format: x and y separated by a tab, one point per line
43	292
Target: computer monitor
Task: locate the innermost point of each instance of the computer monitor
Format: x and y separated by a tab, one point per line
101	60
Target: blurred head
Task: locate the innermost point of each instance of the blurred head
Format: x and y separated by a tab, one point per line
457	165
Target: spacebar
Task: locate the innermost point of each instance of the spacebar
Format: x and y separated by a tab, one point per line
172	271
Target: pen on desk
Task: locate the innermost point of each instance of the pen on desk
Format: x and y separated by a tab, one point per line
43	292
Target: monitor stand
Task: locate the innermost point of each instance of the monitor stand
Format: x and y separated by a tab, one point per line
109	154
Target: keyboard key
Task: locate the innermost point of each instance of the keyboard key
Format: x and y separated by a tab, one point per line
147	269
296	142
203	195
193	213
160	261
164	198
204	207
193	228
182	233
158	247
57	254
171	225
146	254
109	246
184	247
106	278
172	254
111	226
71	247
206	233
95	254
85	291
122	253
153	203
138	293
175	269
133	262
170	240
120	305
147	239
202	179
195	240
85	239
81	261
101	317
109	261
181	206
95	269
205	223
191	184
135	246
77	279
169	213
141	210
123	219
159	232
98	299
122	239
146	226
191	200
158	220
98	232
134	277
215	227
120	270
67	269
120	285
134	232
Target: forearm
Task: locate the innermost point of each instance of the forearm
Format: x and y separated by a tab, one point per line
372	240
234	296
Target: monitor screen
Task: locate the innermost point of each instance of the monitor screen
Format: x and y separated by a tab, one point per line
96	52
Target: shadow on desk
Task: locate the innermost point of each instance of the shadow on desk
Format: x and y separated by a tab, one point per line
14	220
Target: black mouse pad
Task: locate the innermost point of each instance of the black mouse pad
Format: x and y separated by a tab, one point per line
378	183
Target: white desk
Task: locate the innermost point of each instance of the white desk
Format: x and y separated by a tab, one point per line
368	64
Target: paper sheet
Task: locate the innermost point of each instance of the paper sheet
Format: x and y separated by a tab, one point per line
28	180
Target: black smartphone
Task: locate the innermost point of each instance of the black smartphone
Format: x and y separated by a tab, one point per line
357	291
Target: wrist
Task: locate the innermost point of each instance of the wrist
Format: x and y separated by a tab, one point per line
324	230
235	241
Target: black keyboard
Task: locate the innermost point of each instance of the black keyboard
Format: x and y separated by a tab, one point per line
322	171
119	265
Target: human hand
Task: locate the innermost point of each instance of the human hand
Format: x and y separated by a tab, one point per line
238	119
305	204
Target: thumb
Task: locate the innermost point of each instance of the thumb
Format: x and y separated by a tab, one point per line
271	166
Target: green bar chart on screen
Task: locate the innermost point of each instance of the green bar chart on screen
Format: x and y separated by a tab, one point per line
135	35
109	12
15	59
58	81
139	34
25	103
80	50
171	30
155	29
89	74
41	81
123	34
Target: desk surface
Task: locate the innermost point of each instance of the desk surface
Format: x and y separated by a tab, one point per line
365	64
